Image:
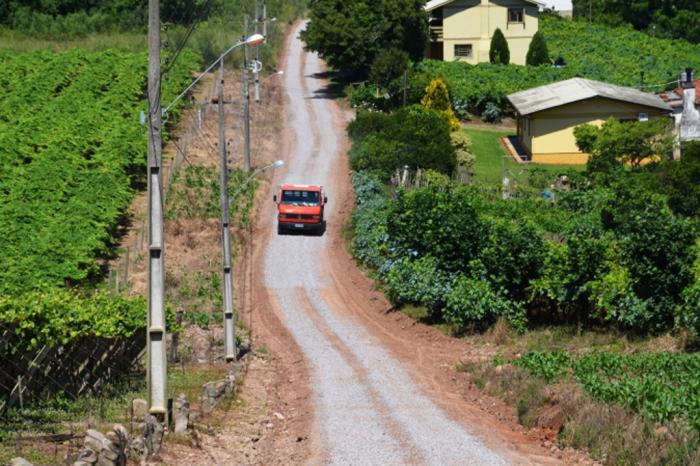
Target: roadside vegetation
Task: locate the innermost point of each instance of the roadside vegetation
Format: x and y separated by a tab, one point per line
72	161
603	258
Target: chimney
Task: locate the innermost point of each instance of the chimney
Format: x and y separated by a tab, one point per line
690	118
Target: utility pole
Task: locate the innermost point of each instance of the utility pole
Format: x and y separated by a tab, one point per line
229	325
246	105
257	55
156	352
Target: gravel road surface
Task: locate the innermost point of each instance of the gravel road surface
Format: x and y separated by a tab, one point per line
368	410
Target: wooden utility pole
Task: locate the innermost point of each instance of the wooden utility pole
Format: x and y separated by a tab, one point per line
229	325
156	352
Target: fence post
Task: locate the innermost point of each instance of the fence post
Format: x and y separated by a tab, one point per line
126	267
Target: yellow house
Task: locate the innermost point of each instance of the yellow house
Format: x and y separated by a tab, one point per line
547	115
462	29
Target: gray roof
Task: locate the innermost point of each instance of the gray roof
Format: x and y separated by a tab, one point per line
577	89
433	4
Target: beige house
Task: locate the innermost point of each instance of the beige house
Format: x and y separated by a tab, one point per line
462	29
547	115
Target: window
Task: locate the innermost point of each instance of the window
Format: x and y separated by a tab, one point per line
515	15
643	116
463	50
300	198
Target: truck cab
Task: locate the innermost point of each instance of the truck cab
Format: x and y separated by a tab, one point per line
300	208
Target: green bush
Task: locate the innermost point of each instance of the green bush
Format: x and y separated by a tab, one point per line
418	281
414	136
537	53
474	302
388	65
442	223
499	53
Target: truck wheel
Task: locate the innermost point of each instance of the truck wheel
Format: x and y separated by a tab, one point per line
280	231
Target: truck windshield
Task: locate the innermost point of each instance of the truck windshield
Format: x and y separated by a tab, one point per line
300	198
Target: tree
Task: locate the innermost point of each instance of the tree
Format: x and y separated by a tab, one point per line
437	97
499	52
388	65
616	143
350	34
537	54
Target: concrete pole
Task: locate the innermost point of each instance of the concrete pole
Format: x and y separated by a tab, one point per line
229	324
246	106
257	54
156	352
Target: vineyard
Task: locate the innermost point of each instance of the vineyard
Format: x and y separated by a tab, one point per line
72	152
612	54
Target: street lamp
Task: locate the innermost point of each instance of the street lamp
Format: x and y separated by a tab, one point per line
275	164
255	39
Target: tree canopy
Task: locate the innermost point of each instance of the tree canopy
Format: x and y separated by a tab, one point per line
350	34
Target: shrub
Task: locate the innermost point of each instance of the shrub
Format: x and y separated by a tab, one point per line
537	53
462	144
388	65
442	223
437	97
491	114
414	136
473	301
419	281
499	52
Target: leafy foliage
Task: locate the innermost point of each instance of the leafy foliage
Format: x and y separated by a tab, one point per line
62	317
603	53
616	143
499	53
388	65
415	136
437	97
537	52
66	180
349	35
660	386
666	18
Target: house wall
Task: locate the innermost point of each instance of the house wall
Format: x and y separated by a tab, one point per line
474	21
552	139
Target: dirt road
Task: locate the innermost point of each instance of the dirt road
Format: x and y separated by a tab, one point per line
375	392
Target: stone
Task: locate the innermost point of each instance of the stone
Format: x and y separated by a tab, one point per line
87	456
139	409
278	416
95	440
137	447
182	414
82	463
551	418
19	461
153	435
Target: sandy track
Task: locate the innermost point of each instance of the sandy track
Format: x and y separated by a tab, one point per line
373	390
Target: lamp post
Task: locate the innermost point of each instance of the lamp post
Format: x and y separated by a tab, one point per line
255	39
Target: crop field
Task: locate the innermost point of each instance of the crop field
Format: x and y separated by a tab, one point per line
660	386
71	150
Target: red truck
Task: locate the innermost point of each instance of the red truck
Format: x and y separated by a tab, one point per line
300	208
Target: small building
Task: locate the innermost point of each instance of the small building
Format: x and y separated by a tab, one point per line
547	115
462	29
685	105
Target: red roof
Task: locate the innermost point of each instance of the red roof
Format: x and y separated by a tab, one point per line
696	84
